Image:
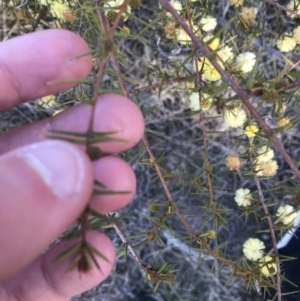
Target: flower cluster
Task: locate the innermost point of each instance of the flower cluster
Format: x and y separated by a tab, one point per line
288	41
265	165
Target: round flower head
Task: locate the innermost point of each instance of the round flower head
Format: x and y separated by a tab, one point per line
236	2
286	214
208	70
208	23
176	5
171	31
183	37
225	54
245	61
295	6
286	43
233	162
267	269
253	249
265	153
296	34
248	15
204	104
243	197
284	122
194	103
59	9
125	30
211	234
251	130
213	42
267	169
235	118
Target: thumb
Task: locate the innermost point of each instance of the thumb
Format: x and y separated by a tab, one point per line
43	188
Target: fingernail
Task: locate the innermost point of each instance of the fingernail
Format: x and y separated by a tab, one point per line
59	165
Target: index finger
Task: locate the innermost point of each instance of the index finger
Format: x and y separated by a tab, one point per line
29	62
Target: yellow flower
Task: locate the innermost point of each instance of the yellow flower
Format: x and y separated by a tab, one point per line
284	121
209	71
233	162
213	42
211	234
125	30
267	169
235	118
245	61
225	54
115	4
253	249
243	197
183	37
205	102
286	214
236	2
248	15
251	130
295	6
286	43
194	101
59	9
280	109
265	154
296	34
267	269
176	5
208	23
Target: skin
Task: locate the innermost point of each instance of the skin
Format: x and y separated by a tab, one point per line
32	214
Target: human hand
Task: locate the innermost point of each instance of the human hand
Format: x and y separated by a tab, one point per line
46	184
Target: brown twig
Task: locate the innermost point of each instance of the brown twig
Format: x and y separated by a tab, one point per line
271	227
160	84
202	125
